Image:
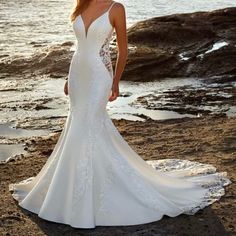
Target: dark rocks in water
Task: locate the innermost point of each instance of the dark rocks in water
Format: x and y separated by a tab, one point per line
209	99
201	44
53	61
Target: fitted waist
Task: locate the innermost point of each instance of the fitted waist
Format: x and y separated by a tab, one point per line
90	55
92	49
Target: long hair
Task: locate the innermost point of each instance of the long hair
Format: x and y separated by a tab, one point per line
80	6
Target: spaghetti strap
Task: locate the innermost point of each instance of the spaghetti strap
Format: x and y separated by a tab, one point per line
111	6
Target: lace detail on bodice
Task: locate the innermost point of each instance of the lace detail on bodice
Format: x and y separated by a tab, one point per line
105	55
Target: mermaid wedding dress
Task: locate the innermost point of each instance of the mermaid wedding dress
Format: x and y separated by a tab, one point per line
93	177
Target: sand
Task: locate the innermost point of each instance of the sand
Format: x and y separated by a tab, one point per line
210	140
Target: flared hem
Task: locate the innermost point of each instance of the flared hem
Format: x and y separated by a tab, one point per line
211	195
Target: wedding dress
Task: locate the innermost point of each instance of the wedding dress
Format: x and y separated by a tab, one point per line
93	177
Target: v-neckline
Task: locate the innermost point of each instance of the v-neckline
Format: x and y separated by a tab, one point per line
87	30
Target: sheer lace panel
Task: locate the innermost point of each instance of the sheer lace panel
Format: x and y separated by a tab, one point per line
105	55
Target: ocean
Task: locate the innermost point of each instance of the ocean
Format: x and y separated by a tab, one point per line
28	25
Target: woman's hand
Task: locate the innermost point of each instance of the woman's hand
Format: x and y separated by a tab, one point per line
114	91
66	88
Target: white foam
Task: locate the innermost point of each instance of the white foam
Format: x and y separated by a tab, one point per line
216	46
182	57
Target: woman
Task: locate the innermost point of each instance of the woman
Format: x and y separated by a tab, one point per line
93	177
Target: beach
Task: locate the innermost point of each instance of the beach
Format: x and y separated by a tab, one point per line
177	101
208	140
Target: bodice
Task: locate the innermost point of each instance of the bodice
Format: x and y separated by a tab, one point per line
93	43
98	33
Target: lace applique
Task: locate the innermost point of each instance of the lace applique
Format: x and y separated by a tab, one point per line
214	186
83	178
83	169
105	55
149	196
103	196
138	185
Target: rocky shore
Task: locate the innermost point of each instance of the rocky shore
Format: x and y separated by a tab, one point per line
208	140
200	45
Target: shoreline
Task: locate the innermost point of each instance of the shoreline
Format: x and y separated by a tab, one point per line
207	140
207	136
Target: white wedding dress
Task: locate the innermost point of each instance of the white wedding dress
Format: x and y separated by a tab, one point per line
93	177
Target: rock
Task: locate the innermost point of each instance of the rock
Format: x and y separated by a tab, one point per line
53	60
200	44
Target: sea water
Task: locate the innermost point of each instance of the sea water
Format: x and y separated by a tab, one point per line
27	25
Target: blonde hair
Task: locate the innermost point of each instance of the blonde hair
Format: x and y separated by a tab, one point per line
81	5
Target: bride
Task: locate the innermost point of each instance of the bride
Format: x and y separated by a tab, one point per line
93	177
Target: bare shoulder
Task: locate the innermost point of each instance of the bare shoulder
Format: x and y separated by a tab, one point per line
118	10
117	14
119	7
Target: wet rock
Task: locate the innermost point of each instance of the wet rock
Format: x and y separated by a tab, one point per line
214	99
53	60
41	107
200	44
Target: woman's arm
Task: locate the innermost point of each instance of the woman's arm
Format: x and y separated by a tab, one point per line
118	19
121	38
